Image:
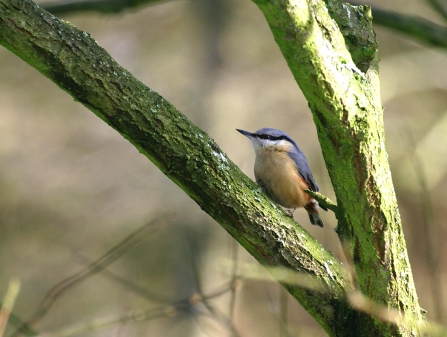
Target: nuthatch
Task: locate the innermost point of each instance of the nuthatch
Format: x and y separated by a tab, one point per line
282	171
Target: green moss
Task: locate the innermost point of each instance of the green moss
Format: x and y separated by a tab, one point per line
335	66
347	112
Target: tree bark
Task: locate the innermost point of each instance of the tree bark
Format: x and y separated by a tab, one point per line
345	103
346	106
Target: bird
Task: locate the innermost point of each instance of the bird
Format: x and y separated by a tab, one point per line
282	171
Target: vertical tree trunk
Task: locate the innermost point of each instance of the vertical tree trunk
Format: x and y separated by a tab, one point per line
346	106
342	88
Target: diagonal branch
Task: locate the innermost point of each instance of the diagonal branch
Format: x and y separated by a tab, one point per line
439	7
185	153
413	26
420	28
99	6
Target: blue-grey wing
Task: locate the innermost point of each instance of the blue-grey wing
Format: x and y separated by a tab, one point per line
303	168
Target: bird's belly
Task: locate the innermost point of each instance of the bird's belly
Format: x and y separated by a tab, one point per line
281	180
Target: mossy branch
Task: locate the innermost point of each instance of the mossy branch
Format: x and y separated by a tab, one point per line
344	97
185	153
323	200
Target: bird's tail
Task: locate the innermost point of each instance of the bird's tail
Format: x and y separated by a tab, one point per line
312	210
315	219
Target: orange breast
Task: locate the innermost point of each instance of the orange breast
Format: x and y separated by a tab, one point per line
280	176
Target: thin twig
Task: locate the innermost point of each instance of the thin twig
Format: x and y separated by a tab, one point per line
111	256
194	254
283	312
107	323
353	296
8	303
431	242
221	318
234	278
137	289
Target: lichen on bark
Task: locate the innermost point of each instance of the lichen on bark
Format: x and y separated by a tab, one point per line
334	59
344	100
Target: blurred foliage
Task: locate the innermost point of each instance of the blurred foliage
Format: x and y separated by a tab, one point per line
72	188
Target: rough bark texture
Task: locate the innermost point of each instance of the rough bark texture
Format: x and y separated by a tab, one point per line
346	107
186	154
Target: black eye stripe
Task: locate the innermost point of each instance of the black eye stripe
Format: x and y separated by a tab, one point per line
269	137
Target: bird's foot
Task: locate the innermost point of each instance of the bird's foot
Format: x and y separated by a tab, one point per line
289	212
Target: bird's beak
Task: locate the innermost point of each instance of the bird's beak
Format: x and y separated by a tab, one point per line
246	133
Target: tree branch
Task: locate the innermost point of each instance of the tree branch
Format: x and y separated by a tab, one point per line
344	98
345	103
100	6
323	200
424	30
439	7
186	154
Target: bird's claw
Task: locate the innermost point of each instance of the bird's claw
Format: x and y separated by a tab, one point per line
289	212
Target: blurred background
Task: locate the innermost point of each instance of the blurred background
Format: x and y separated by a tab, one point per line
71	188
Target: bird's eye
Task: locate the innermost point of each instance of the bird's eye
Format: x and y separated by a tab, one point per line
266	137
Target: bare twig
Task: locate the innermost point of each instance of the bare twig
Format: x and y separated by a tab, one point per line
137	289
234	278
353	296
8	303
221	318
107	323
111	256
135	316
194	252
283	312
431	242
